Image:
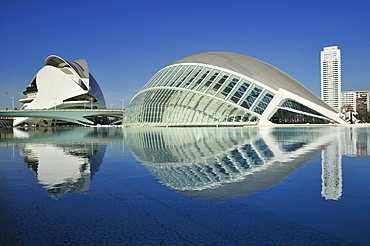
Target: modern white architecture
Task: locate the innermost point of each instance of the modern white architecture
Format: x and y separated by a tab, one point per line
61	85
225	89
331	85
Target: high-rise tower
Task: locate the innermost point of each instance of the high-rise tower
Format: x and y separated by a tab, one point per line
331	82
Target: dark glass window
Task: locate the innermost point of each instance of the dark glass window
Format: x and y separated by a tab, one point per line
198	81
287	117
220	82
239	92
210	80
249	100
297	106
193	75
226	90
262	105
217	83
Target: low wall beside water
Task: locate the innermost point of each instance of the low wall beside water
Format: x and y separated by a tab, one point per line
6	122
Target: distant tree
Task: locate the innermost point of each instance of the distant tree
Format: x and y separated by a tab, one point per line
363	115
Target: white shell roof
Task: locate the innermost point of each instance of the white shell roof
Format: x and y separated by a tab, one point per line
80	66
255	69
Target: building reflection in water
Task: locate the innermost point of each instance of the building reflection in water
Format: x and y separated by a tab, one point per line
63	168
65	159
331	174
222	163
207	163
345	142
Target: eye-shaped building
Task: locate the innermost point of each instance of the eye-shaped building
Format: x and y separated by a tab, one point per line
221	88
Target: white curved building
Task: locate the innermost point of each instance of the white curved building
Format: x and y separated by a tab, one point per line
61	85
221	88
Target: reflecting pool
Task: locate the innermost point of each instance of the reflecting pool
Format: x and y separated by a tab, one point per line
185	186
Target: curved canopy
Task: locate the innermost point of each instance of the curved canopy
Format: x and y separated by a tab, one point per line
80	66
255	69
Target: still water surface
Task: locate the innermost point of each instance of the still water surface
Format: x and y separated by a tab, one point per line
185	186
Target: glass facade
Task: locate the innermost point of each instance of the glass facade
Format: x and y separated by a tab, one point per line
292	112
197	95
295	105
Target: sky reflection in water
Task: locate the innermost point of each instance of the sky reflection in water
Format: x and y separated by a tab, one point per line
293	185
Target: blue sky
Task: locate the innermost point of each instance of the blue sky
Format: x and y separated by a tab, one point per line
126	42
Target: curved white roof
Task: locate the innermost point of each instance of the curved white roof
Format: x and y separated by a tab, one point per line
255	69
80	66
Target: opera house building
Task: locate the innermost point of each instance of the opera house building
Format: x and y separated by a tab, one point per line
61	85
225	89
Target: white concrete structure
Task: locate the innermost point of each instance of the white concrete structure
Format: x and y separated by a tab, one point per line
221	88
61	85
331	81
